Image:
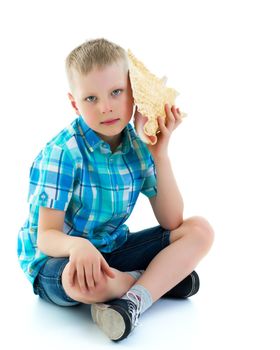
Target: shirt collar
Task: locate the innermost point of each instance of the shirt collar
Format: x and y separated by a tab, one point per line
92	140
127	143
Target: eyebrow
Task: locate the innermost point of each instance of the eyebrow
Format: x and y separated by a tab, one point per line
115	87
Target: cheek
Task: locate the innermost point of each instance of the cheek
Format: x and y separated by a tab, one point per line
129	102
129	108
87	110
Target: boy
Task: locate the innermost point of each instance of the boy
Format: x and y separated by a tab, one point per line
74	247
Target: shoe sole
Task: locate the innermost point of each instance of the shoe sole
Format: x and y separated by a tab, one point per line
108	320
195	284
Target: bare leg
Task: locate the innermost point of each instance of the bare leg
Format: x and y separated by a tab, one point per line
189	244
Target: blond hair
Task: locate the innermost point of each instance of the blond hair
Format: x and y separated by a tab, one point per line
97	53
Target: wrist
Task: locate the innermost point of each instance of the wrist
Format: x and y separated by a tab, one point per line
76	242
161	159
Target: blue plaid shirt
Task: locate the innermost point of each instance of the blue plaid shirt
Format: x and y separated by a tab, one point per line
77	172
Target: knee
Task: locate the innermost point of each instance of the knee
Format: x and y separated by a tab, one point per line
195	227
94	295
100	293
201	229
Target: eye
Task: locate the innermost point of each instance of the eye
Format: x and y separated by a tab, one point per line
90	98
117	92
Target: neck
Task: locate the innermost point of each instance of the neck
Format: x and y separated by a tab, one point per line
113	141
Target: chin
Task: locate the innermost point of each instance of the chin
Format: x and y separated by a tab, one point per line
111	133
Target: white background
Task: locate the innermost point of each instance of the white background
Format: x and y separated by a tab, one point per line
223	57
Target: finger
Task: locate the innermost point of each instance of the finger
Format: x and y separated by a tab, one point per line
96	272
178	115
170	117
89	276
163	130
81	278
71	273
174	112
161	123
107	269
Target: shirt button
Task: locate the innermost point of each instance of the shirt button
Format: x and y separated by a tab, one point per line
117	187
43	196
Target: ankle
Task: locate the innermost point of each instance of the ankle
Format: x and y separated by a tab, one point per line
129	280
118	286
136	274
122	283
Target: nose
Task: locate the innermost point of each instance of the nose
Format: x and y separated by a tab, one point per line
106	108
109	110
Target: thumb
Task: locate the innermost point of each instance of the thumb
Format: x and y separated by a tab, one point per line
107	269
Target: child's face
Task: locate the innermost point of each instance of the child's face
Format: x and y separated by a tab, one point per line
102	96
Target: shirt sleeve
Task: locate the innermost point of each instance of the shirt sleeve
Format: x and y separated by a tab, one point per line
149	187
51	179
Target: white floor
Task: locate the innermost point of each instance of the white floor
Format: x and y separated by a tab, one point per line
237	307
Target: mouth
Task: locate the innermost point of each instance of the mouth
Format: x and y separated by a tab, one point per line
110	121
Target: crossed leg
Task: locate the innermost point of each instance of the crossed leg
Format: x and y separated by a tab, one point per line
189	243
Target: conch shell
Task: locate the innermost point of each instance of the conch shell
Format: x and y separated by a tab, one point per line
150	95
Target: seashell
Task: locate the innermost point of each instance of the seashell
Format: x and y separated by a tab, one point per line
150	96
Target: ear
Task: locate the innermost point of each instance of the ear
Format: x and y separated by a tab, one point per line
73	103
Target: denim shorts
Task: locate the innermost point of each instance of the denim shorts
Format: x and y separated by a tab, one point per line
135	254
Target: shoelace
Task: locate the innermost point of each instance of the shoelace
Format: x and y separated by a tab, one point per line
134	301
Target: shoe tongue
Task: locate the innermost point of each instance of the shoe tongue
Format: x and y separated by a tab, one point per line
133	294
135	298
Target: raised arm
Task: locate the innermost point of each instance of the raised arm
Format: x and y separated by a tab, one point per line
168	204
